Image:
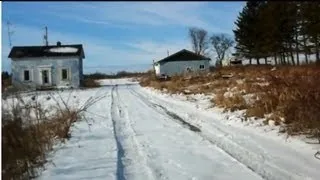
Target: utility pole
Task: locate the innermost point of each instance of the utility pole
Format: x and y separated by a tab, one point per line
45	37
9	33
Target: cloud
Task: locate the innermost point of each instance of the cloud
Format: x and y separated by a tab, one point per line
159	50
135	14
185	14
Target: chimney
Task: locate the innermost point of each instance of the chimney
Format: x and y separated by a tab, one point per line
58	43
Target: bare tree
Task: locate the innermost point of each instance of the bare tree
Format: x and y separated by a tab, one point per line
221	43
199	40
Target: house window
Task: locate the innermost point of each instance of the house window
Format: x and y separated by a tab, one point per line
64	74
26	75
201	66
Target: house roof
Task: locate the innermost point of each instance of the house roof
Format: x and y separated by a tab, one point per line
47	51
184	55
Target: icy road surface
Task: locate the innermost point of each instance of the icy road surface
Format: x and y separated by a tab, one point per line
136	134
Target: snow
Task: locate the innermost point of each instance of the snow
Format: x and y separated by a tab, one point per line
123	81
63	50
271	123
63	87
263	84
249	98
141	133
240	81
293	157
50	99
228	94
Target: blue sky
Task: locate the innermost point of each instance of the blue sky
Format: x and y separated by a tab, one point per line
116	35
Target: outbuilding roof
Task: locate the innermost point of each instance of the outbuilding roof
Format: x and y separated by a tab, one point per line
184	55
47	51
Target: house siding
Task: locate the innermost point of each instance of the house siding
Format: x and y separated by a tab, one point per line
74	64
179	67
81	71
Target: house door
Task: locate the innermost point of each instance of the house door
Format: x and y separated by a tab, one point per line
45	77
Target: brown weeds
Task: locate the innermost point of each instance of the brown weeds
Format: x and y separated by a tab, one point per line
291	93
30	129
90	83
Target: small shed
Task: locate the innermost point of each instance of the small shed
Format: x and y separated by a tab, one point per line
181	62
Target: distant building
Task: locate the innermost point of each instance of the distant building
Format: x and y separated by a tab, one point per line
232	61
47	66
235	61
181	62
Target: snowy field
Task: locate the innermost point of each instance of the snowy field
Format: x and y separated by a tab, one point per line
137	133
111	82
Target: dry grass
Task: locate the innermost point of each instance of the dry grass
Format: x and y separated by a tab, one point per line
24	148
90	83
296	98
291	93
5	83
255	111
29	130
233	103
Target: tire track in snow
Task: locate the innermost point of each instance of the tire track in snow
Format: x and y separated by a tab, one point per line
120	151
171	114
133	159
251	160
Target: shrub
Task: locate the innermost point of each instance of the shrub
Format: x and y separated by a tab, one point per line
90	83
5	80
234	102
29	130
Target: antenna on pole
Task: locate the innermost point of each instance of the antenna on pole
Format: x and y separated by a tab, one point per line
45	37
9	33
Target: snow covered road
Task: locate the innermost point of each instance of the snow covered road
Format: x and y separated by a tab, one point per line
137	134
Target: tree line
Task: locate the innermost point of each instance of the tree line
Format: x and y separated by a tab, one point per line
120	74
279	30
264	29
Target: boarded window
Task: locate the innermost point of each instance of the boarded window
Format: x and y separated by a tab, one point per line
64	74
26	75
201	66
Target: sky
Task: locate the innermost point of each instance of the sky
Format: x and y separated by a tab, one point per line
115	35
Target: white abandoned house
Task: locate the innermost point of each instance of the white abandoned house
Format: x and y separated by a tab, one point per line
183	61
52	66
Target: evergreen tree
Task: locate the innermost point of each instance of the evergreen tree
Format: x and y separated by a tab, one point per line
247	32
279	29
311	27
